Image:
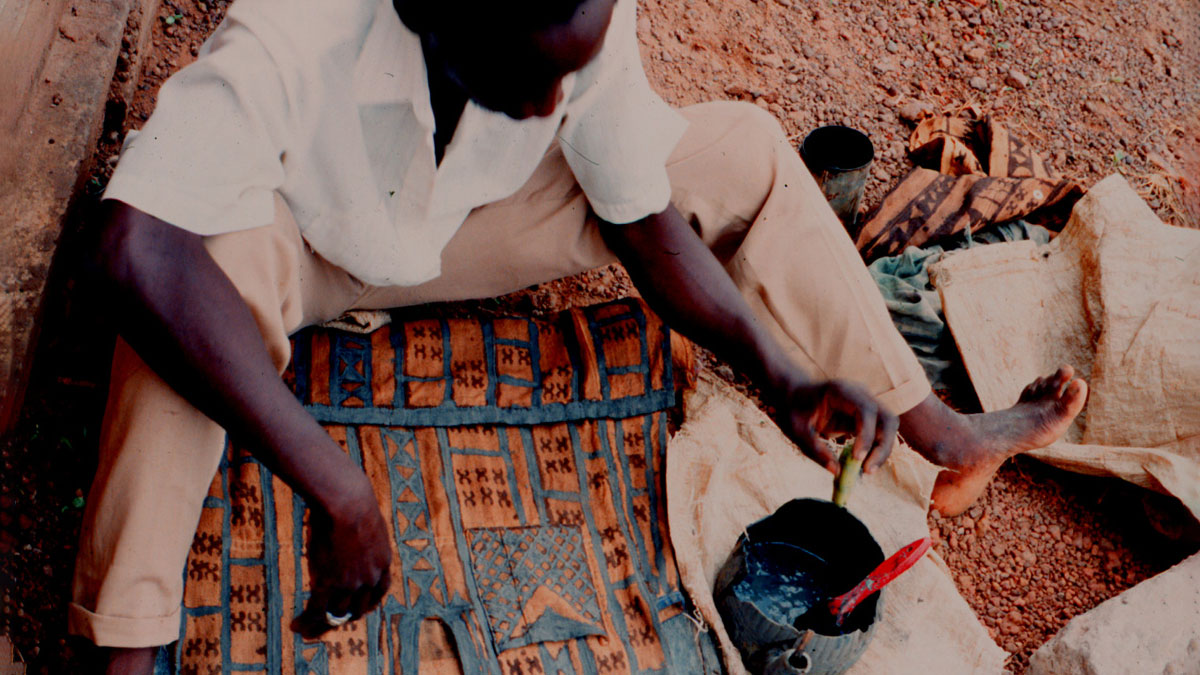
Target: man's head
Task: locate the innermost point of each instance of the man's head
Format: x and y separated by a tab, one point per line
509	57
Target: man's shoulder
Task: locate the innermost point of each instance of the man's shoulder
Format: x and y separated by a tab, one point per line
304	30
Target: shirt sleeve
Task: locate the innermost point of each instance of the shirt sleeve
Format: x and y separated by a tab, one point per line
210	156
618	133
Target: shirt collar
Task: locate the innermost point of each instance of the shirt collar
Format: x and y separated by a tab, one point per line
391	66
391	69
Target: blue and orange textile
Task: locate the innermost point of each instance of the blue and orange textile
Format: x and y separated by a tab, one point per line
520	464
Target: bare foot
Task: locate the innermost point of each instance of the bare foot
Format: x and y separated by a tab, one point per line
133	661
971	447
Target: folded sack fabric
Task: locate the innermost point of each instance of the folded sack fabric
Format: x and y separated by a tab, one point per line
1117	296
915	305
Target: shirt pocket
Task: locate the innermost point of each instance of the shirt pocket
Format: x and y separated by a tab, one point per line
535	584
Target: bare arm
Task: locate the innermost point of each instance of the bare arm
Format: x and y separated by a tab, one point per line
682	280
185	318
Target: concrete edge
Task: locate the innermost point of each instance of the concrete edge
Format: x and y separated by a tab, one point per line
55	138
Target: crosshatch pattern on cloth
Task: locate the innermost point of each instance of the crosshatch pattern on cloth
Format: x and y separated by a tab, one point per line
521	465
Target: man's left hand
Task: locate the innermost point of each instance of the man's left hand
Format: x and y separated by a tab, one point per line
808	411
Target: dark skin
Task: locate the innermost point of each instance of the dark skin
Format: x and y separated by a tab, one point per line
188	322
674	270
185	318
464	64
448	101
684	283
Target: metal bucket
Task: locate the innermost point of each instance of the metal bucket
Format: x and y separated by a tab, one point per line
840	158
798	558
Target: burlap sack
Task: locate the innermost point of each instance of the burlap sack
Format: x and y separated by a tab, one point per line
729	465
1116	295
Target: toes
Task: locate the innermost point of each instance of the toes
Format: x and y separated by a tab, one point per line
1050	386
1060	378
1060	389
1033	389
1073	397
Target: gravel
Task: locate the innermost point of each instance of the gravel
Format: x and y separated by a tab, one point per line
1033	63
1043	546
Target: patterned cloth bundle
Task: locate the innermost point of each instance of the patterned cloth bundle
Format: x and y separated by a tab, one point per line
971	173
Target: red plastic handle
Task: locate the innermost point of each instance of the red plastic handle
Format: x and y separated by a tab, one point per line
841	606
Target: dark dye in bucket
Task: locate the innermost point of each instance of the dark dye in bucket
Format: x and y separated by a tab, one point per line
837	552
772	592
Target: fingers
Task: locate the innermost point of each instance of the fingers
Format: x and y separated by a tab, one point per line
874	427
885	439
314	620
341	601
860	410
875	433
311	622
350	575
366	598
865	423
816	449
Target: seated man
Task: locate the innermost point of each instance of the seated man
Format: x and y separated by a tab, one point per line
320	157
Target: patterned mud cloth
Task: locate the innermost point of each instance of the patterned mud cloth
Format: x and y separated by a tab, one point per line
520	463
974	174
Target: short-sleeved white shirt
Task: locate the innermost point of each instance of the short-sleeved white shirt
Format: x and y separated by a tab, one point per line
328	104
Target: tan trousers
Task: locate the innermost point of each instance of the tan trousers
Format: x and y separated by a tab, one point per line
734	176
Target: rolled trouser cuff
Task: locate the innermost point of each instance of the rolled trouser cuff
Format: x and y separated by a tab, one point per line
123	631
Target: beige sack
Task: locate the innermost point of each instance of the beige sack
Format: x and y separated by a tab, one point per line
1116	295
729	465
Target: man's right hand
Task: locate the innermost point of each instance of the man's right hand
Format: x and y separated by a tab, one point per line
349	560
